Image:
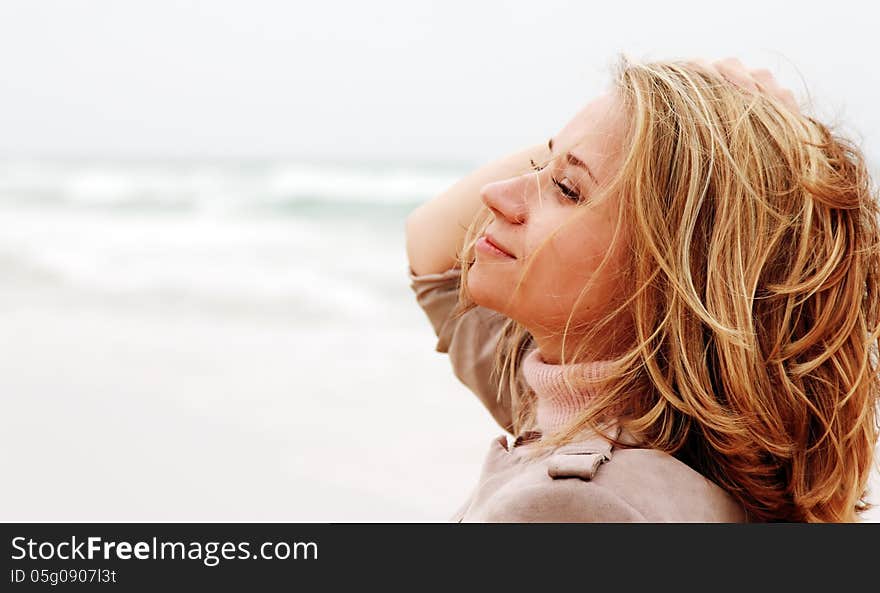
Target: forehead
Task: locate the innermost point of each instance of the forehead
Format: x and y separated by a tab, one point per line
594	134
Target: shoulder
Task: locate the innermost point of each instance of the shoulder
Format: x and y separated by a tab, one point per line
631	485
664	488
563	502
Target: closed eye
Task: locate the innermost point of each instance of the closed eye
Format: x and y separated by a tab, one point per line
567	191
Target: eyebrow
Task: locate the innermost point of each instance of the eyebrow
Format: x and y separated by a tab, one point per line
575	161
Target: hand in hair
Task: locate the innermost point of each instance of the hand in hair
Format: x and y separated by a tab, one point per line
758	80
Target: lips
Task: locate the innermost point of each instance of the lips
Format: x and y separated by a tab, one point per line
494	243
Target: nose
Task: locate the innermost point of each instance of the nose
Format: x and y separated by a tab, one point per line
507	198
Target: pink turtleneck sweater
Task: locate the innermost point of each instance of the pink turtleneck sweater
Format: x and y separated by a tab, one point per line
556	406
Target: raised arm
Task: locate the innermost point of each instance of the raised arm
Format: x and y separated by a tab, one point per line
435	230
434	236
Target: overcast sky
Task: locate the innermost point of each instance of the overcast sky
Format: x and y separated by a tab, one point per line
382	79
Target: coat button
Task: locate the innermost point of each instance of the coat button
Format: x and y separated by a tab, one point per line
575	465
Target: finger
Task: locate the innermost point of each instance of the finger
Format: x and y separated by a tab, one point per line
758	80
769	84
735	72
738	77
765	78
789	99
730	64
707	68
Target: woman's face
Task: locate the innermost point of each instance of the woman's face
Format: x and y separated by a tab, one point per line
530	208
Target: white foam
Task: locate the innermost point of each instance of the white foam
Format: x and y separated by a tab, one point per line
216	186
250	261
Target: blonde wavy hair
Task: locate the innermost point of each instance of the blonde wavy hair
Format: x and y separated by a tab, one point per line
754	263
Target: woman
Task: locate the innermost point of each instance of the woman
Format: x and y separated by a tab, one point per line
675	312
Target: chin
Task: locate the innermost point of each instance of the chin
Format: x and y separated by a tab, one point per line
484	289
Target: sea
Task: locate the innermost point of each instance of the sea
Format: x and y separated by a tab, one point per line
224	340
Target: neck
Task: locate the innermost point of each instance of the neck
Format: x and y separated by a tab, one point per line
551	351
550	345
557	403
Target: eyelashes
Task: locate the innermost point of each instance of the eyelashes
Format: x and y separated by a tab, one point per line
568	192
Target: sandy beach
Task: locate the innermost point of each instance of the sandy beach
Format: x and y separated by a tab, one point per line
165	416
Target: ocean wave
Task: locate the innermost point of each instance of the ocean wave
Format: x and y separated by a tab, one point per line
280	185
336	270
139	232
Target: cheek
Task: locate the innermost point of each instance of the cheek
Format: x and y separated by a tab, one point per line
573	255
568	263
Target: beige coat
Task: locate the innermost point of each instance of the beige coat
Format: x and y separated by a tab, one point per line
583	481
